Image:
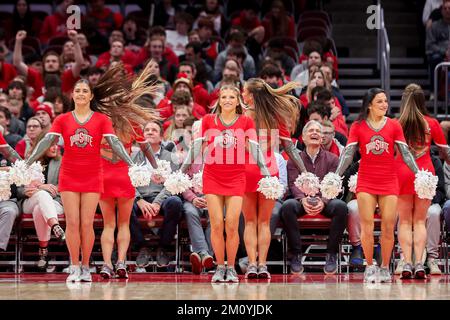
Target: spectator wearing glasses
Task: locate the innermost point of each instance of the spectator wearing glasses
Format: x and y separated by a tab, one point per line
329	142
33	130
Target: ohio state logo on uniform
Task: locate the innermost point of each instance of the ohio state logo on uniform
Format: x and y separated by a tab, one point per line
81	138
377	145
226	140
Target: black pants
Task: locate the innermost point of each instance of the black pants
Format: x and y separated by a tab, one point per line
171	209
335	209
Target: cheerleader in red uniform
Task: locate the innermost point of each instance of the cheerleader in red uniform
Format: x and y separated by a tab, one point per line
273	110
420	130
7	151
226	134
118	194
81	173
376	135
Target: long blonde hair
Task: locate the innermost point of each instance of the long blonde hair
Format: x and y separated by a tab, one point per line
412	112
274	106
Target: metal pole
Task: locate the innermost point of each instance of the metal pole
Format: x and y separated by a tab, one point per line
435	88
446	90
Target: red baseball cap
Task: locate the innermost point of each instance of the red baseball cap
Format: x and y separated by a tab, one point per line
46	108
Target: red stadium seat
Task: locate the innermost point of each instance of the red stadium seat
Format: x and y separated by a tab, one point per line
310	32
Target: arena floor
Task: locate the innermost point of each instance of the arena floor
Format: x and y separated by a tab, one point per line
187	287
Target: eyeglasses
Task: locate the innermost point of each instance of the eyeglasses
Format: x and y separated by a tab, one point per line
328	133
33	126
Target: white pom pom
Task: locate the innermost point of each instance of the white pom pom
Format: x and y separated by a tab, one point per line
271	187
177	182
140	175
197	182
164	169
425	184
5	187
35	172
308	183
331	185
352	181
19	173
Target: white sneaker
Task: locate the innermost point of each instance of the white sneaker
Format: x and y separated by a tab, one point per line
400	265
85	274
74	274
371	274
434	267
384	276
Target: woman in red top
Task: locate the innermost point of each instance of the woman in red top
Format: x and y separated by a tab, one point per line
274	111
226	134
377	183
118	194
81	173
420	130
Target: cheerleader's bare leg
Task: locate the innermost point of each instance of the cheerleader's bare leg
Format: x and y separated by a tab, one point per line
71	203
367	204
108	207
420	231
89	202
124	205
233	206
388	209
215	210
405	208
265	208
249	209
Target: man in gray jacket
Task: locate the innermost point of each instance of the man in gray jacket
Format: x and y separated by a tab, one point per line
153	200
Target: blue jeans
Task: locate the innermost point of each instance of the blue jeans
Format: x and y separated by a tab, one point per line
171	209
446	213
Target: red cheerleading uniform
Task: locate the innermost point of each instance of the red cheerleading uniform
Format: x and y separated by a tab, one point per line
423	159
252	171
117	183
81	167
3	142
377	172
224	169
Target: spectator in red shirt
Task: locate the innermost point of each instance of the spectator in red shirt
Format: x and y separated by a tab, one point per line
128	57
278	22
51	65
7	74
157	32
105	20
249	21
5	122
55	25
211	48
155	52
165	107
329	142
200	94
116	53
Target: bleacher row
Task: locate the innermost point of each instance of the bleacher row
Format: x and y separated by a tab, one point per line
22	254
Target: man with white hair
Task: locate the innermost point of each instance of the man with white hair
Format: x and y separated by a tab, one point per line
319	162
